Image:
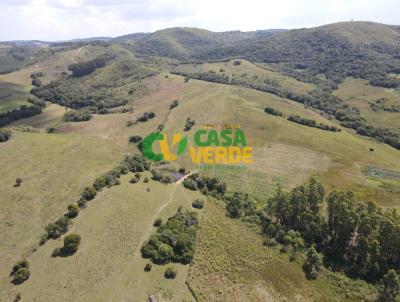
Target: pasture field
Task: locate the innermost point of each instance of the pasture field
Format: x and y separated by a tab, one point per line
231	264
358	93
108	265
250	70
54	168
12	96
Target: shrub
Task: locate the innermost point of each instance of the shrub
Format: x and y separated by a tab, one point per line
170	273
135	139
73	210
55	230
71	244
77	116
18	182
174	104
148	267
312	264
129	123
189	124
186	79
157	222
145	180
237	62
146	116
198	204
89	193
273	111
133	180
20	264
5	135
82	202
21	275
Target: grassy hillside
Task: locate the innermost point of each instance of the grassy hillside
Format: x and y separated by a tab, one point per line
374	103
230	262
12	96
54	169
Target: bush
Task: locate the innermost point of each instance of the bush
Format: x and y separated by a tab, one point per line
148	267
5	135
73	210
129	123
157	222
133	180
145	180
135	139
198	204
273	111
174	104
146	116
55	230
71	244
237	62
18	182
189	124
170	273
20	264
77	116
312	265
21	275
89	193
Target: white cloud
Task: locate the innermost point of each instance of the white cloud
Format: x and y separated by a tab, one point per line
66	19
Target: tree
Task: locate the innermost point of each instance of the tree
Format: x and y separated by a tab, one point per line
18	182
21	275
20	264
148	267
71	244
198	204
174	104
170	273
157	222
89	193
73	210
5	134
390	287
312	264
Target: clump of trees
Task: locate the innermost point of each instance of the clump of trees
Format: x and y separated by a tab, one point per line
35	78
162	176
77	116
207	185
56	229
273	111
81	69
135	139
174	239
5	135
20	271
24	111
209	76
146	116
312	123
189	124
360	239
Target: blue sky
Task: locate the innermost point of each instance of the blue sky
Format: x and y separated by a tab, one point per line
53	20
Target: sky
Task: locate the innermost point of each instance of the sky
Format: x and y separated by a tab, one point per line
54	20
